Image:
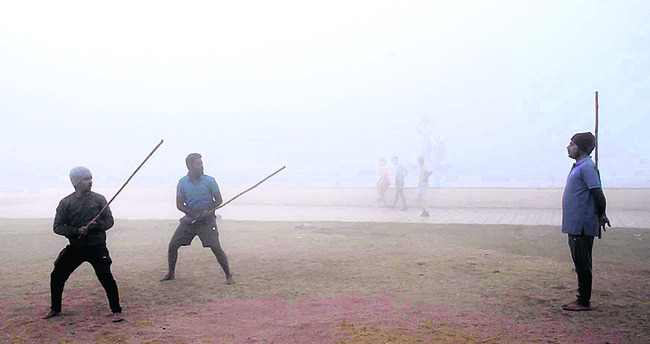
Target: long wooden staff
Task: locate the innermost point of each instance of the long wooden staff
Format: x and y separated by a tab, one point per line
126	182
596	153
596	135
243	192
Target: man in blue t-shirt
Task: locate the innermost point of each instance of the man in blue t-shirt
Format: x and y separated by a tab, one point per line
583	214
197	195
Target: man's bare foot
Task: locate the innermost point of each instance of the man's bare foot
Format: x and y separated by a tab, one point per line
575	306
51	314
117	317
230	280
168	277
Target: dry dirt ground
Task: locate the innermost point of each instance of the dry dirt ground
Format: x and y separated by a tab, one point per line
331	282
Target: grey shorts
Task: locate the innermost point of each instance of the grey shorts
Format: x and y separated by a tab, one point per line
206	230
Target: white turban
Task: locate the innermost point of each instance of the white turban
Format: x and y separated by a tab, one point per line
78	173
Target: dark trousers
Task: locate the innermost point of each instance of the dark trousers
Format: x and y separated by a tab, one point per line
209	235
70	259
581	246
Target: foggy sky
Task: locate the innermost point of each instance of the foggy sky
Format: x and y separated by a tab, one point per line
325	88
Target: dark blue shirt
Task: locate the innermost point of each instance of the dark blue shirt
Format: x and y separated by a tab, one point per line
578	208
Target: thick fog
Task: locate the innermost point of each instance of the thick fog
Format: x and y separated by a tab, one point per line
325	88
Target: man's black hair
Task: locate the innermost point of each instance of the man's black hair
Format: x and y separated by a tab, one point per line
191	157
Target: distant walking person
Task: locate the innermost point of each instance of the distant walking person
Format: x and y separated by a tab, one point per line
384	181
425	130
423	186
400	173
583	215
196	194
87	241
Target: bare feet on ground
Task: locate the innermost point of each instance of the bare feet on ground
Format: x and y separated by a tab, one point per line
51	314
168	277
117	317
575	306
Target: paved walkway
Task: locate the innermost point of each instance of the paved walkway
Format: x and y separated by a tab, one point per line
149	205
514	216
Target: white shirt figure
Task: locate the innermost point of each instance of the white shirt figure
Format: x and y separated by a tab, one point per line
423	186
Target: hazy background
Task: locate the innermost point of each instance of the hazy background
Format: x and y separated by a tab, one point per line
325	88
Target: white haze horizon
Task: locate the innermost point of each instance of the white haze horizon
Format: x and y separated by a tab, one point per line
325	88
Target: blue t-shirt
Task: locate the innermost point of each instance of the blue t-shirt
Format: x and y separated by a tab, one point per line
197	197
578	208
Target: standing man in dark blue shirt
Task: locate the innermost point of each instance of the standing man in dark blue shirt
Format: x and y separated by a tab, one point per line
87	241
197	195
583	214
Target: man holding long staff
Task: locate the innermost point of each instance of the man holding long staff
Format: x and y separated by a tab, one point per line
583	214
197	195
83	217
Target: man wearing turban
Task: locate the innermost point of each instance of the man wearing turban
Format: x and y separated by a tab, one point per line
583	215
75	219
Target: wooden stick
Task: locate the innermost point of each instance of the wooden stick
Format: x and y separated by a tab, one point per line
243	192
600	234
126	182
596	134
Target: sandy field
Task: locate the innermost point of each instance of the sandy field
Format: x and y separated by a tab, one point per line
331	282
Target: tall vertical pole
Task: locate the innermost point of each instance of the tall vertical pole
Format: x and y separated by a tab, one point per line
596	152
596	133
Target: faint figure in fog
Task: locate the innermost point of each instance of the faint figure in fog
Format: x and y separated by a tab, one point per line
423	186
439	163
424	128
400	173
384	182
439	151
